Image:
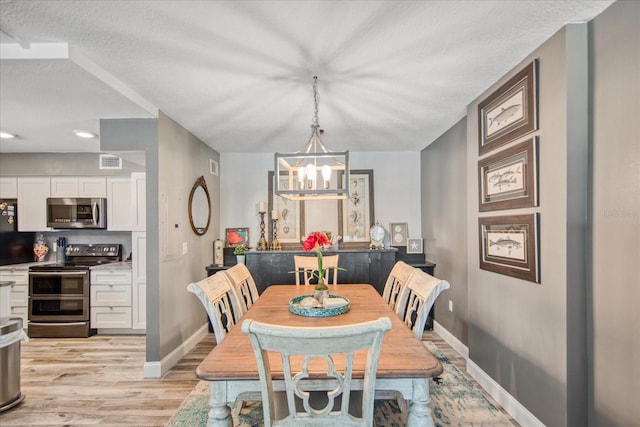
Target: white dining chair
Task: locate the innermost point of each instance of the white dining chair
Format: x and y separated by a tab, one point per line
220	302
306	266
223	306
334	347
416	299
245	287
397	279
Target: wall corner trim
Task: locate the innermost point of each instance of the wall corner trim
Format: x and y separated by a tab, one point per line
508	402
157	369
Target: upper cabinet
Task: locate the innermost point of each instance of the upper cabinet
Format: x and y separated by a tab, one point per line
126	198
138	201
119	203
8	188
32	203
70	186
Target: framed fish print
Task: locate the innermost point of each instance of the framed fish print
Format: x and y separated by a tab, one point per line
510	112
509	245
508	179
236	237
356	213
290	226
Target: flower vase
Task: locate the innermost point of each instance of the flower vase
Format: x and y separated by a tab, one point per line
240	259
321	291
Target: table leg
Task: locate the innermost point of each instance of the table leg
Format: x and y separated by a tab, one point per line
220	413
419	412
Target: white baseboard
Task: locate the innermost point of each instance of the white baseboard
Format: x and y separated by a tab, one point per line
450	339
508	402
157	369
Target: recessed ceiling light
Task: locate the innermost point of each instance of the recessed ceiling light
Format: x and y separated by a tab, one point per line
7	135
84	134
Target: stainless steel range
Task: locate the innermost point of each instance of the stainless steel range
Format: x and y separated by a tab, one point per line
59	303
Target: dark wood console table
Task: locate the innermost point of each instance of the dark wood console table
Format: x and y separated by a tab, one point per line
362	266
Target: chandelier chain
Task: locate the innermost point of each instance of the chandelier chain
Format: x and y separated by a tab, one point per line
315	122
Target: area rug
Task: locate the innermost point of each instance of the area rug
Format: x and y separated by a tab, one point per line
455	401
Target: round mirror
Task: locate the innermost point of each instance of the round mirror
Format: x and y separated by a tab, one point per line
199	207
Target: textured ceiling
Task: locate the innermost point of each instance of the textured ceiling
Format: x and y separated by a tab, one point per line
392	75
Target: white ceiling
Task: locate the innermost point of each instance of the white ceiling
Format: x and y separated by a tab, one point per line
392	75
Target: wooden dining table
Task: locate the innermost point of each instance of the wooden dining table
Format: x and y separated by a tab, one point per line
405	364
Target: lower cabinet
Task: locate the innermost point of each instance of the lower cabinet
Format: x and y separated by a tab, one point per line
111	298
19	293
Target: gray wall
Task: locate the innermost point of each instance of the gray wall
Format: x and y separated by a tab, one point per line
518	329
174	159
567	348
142	135
182	158
60	164
444	219
615	319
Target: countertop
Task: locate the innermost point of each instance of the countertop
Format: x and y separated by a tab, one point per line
122	265
24	265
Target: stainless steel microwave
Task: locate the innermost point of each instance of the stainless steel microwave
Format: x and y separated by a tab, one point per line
69	212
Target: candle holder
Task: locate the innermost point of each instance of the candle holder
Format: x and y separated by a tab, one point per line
263	245
275	243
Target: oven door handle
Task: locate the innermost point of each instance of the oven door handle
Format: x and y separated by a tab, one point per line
56	323
58	273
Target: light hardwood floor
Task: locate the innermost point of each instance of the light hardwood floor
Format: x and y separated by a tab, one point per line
98	380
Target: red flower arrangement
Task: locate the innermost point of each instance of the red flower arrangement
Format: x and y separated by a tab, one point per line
315	242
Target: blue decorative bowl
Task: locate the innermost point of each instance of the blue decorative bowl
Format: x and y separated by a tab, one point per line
296	308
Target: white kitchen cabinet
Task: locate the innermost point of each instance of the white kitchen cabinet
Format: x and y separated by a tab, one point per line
139	279
19	293
119	204
32	203
71	186
8	187
138	201
111	298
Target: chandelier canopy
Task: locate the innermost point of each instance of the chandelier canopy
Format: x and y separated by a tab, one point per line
312	173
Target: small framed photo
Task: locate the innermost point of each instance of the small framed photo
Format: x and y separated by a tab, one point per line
510	112
509	245
414	246
236	237
399	232
509	179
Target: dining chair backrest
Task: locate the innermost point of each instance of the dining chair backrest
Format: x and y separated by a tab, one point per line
220	301
306	266
325	351
417	298
396	281
243	284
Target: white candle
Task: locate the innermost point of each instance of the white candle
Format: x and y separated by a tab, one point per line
275	214
263	207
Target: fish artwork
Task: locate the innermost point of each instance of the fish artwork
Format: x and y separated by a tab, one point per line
505	243
505	178
504	114
504	181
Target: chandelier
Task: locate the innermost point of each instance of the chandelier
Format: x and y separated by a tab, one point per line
312	173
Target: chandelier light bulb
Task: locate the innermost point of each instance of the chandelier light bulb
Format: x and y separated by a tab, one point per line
326	175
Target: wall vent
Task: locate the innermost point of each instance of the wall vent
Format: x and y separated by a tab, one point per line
213	167
109	161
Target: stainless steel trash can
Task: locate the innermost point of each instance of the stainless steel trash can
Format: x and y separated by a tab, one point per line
11	334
